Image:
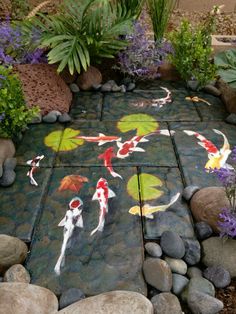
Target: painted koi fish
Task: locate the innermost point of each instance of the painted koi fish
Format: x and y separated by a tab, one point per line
148	210
107	157
34	164
128	147
197	99
217	158
160	102
101	139
72	219
101	195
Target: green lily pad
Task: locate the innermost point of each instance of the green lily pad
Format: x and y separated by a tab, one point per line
142	123
149	183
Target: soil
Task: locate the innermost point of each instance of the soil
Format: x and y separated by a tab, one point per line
228	297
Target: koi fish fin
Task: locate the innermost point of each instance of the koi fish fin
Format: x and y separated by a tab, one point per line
101	134
143	140
150	216
111	193
119	144
63	261
98	228
80	222
174	199
28	162
95	196
226	142
172	132
32	181
62	222
138	149
102	143
189	132
227	166
116	175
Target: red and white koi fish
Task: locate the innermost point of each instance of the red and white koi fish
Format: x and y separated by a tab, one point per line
128	147
107	157
72	219
101	139
160	102
34	163
102	194
217	158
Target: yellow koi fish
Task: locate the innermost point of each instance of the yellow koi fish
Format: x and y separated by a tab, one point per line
148	210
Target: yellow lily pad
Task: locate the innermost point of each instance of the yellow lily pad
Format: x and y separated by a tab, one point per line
142	123
149	184
63	140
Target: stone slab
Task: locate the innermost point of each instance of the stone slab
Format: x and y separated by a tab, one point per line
108	260
215	112
87	106
156	84
158	151
177	217
192	156
33	144
21	203
120	104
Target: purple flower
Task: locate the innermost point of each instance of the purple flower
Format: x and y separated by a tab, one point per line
226	176
233	154
227	223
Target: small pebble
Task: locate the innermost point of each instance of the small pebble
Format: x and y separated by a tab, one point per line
166	303
203	230
9	164
198	284
51	117
202	303
123	89
193	272
17	273
64	118
130	87
231	119
116	88
106	87
219	276
192	251
153	249
97	87
70	296
189	191
8	178
74	88
172	245
176	265
179	283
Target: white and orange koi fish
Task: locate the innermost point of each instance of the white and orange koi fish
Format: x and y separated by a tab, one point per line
160	102
34	164
101	195
101	139
107	157
72	219
128	147
217	157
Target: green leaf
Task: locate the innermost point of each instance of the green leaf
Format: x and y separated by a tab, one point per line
142	123
148	183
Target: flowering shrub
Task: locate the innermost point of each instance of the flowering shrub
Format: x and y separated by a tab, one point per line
142	58
15	47
14	115
227	216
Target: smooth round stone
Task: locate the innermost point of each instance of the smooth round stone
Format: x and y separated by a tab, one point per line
166	303
157	274
51	117
8	178
172	245
153	249
179	283
17	273
9	164
12	251
216	252
70	296
64	118
203	230
198	284
189	191
74	88
123	89
176	265
106	87
202	303
97	87
122	302
87	79
192	251
219	276
130	87
231	119
116	88
24	298
194	272
212	90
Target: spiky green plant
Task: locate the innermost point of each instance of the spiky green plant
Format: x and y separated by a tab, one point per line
160	12
83	30
133	6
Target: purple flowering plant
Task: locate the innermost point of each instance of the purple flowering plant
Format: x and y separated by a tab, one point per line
227	176
15	47
142	57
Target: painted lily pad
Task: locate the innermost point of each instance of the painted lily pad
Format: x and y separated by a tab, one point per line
68	140
151	125
150	182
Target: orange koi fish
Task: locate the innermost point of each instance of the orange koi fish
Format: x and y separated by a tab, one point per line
101	139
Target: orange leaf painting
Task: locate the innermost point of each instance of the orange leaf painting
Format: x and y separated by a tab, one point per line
72	182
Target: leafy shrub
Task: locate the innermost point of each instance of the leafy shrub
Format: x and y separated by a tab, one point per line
192	53
82	30
160	12
15	47
14	115
142	57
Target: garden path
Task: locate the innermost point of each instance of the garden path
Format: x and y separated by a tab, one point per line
112	259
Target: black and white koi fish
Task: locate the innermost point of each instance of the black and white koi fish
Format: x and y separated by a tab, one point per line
34	163
160	102
72	219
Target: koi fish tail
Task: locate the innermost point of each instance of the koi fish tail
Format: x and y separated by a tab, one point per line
100	227
32	180
115	174
166	132
61	258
